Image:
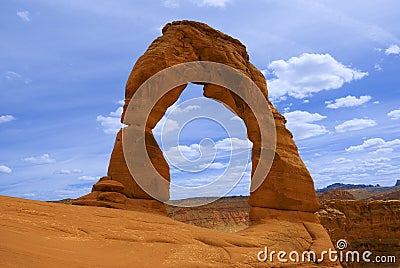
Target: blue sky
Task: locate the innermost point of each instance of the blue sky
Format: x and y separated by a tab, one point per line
332	69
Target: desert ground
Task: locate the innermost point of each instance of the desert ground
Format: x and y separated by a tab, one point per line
44	234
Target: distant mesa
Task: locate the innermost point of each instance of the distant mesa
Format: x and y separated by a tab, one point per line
362	192
343	186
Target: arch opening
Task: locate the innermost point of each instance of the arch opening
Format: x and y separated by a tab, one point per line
204	142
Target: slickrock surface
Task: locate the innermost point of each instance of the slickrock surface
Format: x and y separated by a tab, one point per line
41	234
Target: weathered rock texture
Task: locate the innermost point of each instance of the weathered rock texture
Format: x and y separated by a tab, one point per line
390	195
288	186
373	226
42	234
336	194
227	214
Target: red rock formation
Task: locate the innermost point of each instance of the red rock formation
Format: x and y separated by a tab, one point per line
288	186
282	206
336	194
391	195
372	226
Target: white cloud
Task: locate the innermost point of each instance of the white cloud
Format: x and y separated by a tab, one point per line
166	125
373	164
388	171
175	109
378	68
381	151
38	160
342	160
222	180
174	154
302	76
6	118
229	144
24	15
301	124
355	124
68	171
169	126
111	124
10	75
87	178
349	101
171	3
63	172
374	143
394	115
392	49
200	3
117	112
212	3
193	150
199	156
215	165
13	76
5	169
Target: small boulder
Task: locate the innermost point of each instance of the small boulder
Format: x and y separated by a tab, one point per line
109	186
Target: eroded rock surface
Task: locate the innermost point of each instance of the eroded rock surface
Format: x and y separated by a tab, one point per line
336	194
372	226
42	234
288	186
228	214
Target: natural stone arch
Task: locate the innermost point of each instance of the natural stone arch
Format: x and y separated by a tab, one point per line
288	185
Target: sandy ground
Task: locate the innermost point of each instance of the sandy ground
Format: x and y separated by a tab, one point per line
41	234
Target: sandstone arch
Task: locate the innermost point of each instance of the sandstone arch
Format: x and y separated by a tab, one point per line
288	186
